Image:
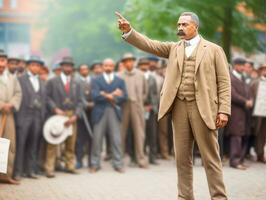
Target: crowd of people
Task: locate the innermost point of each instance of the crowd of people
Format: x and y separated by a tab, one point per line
111	108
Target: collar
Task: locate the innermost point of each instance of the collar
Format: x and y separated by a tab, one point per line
65	77
31	75
132	72
86	79
237	74
194	41
108	76
263	78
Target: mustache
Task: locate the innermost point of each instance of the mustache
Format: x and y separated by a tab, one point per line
181	33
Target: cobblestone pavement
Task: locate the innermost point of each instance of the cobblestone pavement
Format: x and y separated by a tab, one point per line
155	183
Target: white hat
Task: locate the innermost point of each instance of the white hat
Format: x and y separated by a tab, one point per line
54	130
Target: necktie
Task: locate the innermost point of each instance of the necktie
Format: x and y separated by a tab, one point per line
187	44
67	85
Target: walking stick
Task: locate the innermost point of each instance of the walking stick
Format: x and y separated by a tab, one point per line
3	124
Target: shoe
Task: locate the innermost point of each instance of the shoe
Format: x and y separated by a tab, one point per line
79	165
154	162
120	170
133	164
71	171
143	166
240	166
93	170
17	178
32	176
10	181
261	159
50	175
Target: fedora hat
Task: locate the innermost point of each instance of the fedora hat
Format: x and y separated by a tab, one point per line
67	60
54	130
36	59
128	56
143	61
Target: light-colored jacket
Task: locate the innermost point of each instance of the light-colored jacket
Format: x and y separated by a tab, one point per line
212	79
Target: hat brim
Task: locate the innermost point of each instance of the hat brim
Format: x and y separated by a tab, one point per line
36	61
125	59
56	119
69	63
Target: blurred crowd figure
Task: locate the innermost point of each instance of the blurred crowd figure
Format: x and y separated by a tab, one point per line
112	108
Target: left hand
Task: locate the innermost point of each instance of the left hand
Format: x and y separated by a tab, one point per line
221	120
71	120
7	108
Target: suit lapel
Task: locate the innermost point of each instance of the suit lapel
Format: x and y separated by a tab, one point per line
180	55
200	53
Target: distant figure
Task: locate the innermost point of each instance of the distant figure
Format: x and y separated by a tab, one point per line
108	94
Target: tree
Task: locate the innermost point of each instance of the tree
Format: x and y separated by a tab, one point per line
84	27
221	21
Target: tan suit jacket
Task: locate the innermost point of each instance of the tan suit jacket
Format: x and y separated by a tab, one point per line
212	79
10	93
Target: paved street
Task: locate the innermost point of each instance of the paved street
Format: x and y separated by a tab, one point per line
156	183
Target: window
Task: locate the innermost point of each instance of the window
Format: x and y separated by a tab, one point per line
13	3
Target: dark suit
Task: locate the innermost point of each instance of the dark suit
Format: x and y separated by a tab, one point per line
83	137
57	97
107	116
29	121
237	124
151	117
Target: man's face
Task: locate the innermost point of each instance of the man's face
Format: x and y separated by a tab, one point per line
84	70
12	66
129	64
98	69
108	66
263	72
21	66
186	28
67	69
239	68
3	63
248	68
144	67
34	67
153	65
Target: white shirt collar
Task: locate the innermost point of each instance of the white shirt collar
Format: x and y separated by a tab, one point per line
237	74
194	41
86	79
108	77
263	78
32	75
65	77
4	76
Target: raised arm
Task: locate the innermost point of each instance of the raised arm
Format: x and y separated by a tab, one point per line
161	49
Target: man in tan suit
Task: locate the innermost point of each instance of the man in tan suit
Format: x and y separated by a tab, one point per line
197	91
10	99
133	109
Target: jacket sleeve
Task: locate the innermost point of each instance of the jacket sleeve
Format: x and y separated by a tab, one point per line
161	49
223	82
49	91
237	98
79	107
17	97
96	92
123	98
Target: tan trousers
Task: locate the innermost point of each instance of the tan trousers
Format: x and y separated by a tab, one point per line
187	127
69	153
9	133
133	113
163	137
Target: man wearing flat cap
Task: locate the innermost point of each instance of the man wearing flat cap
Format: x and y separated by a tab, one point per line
260	122
197	92
64	98
133	109
10	99
241	104
29	119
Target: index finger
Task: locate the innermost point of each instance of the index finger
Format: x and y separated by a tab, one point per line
119	15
